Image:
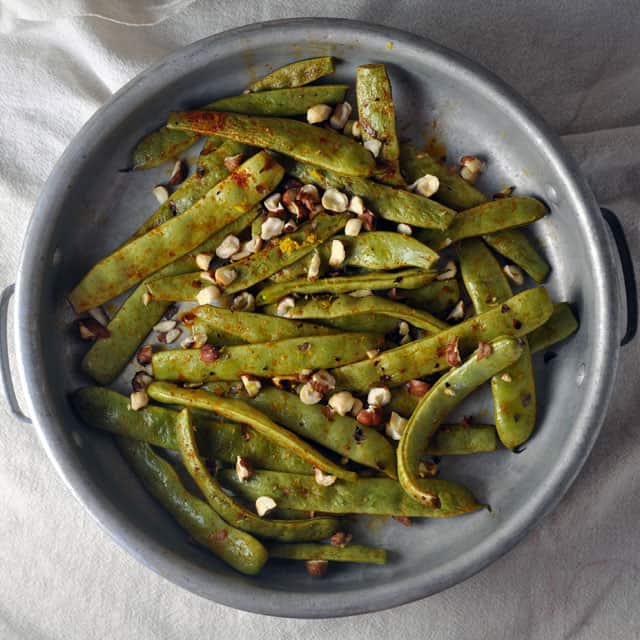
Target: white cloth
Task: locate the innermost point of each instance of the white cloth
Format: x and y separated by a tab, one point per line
576	576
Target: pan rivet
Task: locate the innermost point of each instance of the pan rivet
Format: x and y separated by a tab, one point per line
580	375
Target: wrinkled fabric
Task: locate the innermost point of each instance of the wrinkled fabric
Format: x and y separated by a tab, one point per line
576	576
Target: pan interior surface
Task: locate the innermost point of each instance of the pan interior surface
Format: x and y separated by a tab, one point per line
88	207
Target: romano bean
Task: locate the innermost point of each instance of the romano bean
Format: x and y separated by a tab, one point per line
165	143
143	256
373	496
519	316
349	553
374	250
237	548
446	394
134	319
463	439
266	359
454	191
377	118
497	215
559	326
514	389
252	327
241	412
344	306
437	296
514	245
110	411
395	205
341	434
295	74
407	279
232	511
321	147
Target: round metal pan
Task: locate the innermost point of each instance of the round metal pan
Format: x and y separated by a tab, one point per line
88	207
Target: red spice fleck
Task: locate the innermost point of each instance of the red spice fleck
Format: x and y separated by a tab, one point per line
241	178
417	388
144	355
484	350
220	536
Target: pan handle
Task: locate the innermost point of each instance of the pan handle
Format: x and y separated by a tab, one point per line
5	365
628	276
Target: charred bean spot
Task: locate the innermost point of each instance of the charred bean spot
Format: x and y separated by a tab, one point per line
516	417
196	284
504	308
516	324
304	346
358	435
526	399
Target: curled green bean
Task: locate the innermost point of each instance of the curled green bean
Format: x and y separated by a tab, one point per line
518	316
295	74
374	250
375	281
243	413
349	553
377	117
143	256
341	434
265	359
134	319
514	245
454	191
497	215
322	147
372	496
110	411
232	511
446	394
344	306
395	205
237	548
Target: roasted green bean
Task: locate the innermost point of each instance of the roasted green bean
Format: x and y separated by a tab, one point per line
143	256
514	245
497	215
245	414
349	553
322	147
463	439
374	250
395	205
447	393
333	307
377	118
519	316
373	496
238	549
375	281
437	296
295	74
265	359
232	511
561	324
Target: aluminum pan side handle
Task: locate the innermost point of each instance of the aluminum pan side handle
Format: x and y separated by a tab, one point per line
6	377
628	277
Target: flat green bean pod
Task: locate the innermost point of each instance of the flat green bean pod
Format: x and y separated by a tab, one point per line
322	147
497	215
454	191
265	359
514	390
375	281
232	511
395	205
374	250
446	394
377	117
110	411
561	324
295	74
344	306
107	357
358	323
372	496
463	439
514	245
437	296
341	434
143	256
237	548
286	250
241	412
349	553
252	327
164	143
211	170
518	316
